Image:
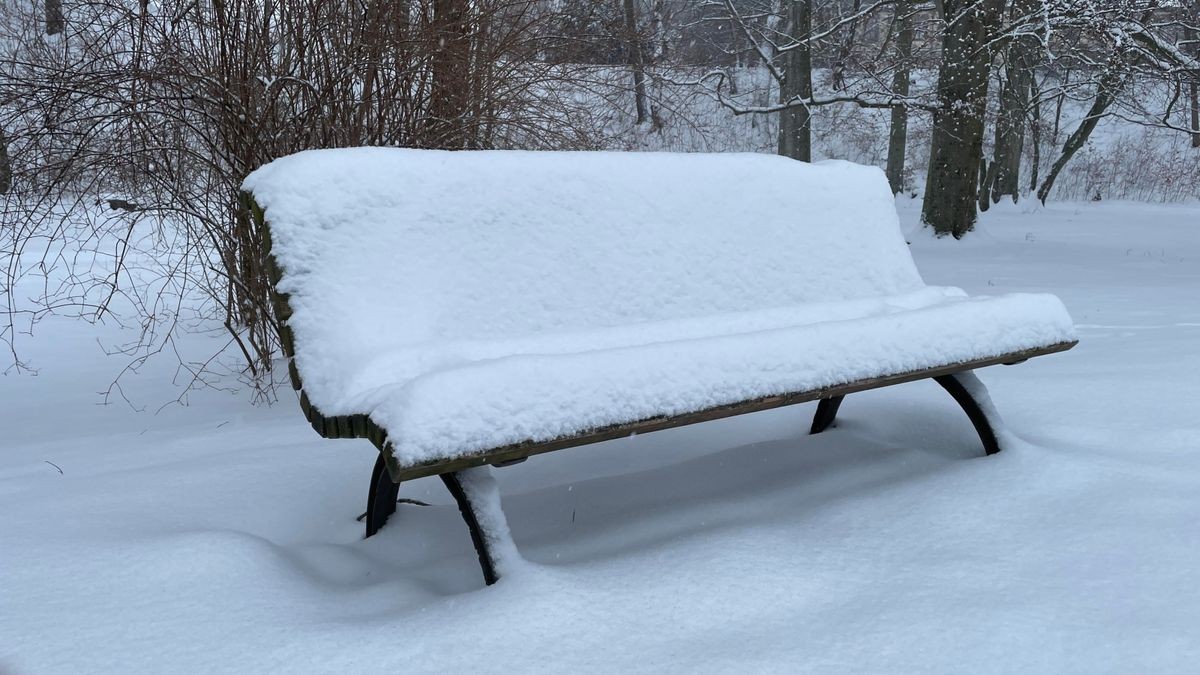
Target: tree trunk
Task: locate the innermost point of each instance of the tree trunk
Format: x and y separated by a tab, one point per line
1035	127
1195	115
482	64
633	49
373	39
5	165
987	175
1106	93
54	17
1014	102
1194	37
1058	106
450	74
957	145
845	51
795	132
661	46
898	136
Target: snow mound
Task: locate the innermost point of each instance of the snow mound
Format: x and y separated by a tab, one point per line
467	300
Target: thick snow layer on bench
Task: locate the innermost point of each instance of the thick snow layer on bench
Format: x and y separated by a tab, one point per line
469	300
541	396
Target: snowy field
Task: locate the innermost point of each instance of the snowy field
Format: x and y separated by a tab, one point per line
221	537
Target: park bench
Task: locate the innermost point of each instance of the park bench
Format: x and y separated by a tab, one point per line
465	309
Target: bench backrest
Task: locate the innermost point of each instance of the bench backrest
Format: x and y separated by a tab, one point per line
389	247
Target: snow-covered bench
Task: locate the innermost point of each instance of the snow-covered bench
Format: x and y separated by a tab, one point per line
475	308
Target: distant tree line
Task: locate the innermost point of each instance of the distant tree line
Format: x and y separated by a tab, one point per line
1030	54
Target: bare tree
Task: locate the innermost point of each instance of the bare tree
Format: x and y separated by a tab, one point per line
795	123
1191	36
902	25
5	165
163	108
1019	61
1136	47
54	17
1107	90
636	60
449	74
958	121
1195	93
845	50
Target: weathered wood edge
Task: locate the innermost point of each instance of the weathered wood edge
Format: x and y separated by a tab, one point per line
362	426
519	451
328	426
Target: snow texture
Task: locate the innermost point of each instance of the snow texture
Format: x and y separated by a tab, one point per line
472	300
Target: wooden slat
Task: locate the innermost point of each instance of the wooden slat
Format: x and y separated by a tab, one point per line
518	451
294	374
287	341
307	407
281	303
358	426
332	428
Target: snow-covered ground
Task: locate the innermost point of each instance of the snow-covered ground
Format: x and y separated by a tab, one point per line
221	537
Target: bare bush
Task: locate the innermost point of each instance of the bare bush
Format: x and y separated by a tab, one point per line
159	111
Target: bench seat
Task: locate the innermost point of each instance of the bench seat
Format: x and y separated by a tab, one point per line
450	400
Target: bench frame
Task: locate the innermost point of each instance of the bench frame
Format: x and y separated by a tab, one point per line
387	475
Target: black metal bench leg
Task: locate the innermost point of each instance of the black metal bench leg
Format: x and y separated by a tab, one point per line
478	500
972	396
966	389
827	411
381	499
